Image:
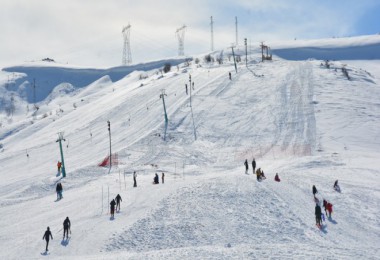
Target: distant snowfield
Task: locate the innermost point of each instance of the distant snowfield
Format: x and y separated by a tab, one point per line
307	122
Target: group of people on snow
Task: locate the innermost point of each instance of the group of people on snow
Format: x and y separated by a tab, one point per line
66	230
156	179
259	172
328	206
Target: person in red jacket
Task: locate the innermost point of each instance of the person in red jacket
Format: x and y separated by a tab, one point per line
276	178
59	165
329	208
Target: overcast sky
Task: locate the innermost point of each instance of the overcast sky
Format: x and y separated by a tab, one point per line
88	32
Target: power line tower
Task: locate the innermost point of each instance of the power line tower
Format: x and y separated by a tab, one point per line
236	29
127	56
180	33
212	34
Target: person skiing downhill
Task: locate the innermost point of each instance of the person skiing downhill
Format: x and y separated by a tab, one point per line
246	166
59	189
66	228
113	203
318	215
253	165
118	199
163	178
47	237
276	178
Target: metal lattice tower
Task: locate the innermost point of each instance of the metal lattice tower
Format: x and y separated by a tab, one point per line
127	56
180	33
212	34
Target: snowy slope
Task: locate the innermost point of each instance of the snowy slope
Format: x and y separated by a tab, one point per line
307	122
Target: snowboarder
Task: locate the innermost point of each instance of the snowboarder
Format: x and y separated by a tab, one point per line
336	186
276	178
162	178
253	165
155	179
59	165
47	236
329	209
118	200
246	166
318	215
314	191
113	203
59	189
134	179
66	228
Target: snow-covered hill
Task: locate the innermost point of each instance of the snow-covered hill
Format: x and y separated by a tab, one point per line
311	123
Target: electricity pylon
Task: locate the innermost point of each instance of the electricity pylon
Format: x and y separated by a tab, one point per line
180	33
127	56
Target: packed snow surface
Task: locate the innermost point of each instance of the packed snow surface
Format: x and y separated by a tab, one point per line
306	120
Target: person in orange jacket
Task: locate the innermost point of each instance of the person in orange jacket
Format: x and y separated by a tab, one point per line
59	164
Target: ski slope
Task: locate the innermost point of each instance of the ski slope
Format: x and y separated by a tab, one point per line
307	122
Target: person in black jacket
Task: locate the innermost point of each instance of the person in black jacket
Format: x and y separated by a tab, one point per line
253	165
118	199
66	227
155	179
318	215
113	203
246	166
47	236
314	191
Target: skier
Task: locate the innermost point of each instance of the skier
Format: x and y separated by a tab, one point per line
66	227
314	191
336	186
118	199
318	215
59	164
186	89
155	179
329	209
134	179
47	236
59	189
276	178
162	178
113	203
246	166
253	165
229	75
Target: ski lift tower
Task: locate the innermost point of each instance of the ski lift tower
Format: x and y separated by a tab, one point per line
180	33
127	56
